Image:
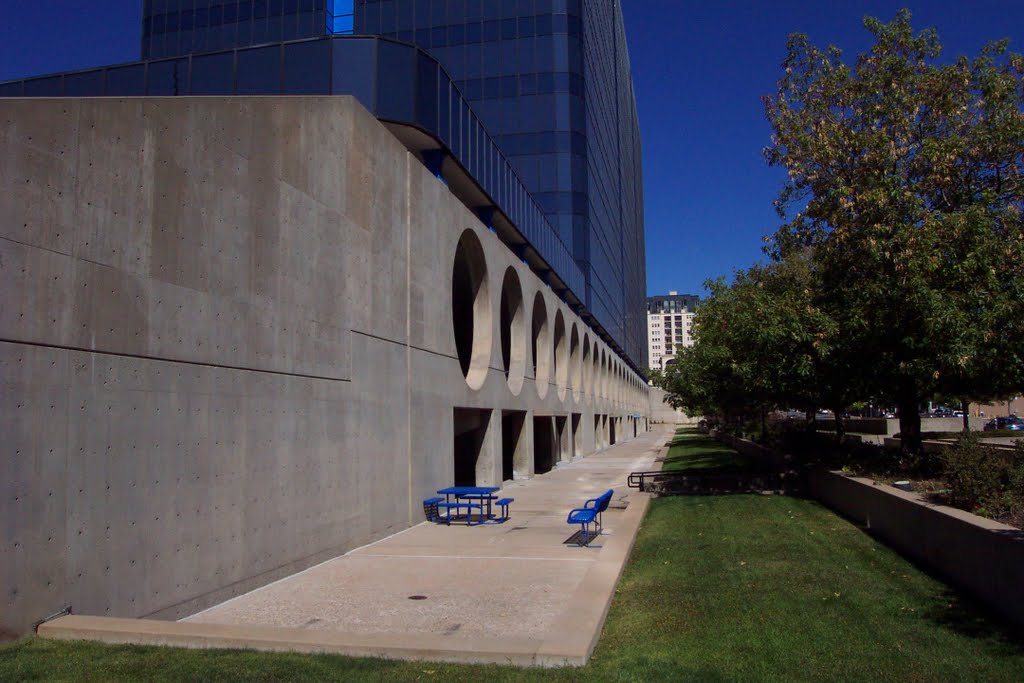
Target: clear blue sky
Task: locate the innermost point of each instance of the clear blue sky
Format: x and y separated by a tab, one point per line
700	70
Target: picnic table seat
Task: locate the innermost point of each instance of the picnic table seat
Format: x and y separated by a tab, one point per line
503	504
454	507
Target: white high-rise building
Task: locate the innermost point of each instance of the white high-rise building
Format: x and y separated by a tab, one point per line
669	326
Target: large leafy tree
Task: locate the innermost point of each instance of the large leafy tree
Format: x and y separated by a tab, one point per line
905	178
760	343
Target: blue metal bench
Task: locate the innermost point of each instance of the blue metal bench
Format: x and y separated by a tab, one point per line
590	513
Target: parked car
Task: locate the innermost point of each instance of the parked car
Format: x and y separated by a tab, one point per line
1013	423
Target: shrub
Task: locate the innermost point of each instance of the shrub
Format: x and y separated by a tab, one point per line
985	480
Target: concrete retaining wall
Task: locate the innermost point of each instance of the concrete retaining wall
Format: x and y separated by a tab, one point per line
890	426
227	349
982	557
663	412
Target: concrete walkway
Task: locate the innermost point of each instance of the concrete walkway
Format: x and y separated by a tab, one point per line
506	593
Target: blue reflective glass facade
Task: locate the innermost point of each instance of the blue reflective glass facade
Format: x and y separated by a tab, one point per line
551	82
172	28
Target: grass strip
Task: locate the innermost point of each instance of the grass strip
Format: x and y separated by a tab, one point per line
718	588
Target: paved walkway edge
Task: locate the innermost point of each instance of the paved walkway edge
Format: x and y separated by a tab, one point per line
574	635
571	647
577	637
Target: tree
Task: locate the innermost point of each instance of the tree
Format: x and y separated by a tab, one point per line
904	176
759	343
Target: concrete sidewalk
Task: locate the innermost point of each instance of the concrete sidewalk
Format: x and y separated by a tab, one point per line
506	593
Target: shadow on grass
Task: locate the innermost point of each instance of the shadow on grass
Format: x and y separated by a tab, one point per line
965	616
690	449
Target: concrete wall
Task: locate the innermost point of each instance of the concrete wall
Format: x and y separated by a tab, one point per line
889	426
982	557
227	349
663	412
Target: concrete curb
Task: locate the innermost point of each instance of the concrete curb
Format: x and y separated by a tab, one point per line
568	640
575	641
576	632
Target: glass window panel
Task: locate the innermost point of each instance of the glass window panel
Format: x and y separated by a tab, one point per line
260	31
213	74
508	29
353	69
168	78
545	25
126	80
229	35
426	92
274	28
527	26
306	69
84	84
444	111
244	33
395	84
259	71
43	87
491	30
456	34
422	12
290	27
11	89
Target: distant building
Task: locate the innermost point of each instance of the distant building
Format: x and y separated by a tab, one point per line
669	326
1014	406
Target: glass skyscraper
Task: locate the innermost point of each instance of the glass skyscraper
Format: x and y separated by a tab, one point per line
171	28
536	90
550	80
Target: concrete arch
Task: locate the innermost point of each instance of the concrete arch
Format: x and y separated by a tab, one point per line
540	345
471	309
588	367
512	330
575	365
560	346
604	374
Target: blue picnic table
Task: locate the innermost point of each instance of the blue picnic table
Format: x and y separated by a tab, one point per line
469	498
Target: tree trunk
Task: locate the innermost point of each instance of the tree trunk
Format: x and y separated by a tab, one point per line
964	405
840	427
812	419
910	422
764	425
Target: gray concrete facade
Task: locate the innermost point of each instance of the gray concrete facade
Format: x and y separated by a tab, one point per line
227	349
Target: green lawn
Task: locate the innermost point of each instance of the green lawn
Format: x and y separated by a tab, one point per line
692	450
719	588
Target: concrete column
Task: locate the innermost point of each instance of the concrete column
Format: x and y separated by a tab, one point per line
488	464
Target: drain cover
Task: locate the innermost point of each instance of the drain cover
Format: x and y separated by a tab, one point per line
417	597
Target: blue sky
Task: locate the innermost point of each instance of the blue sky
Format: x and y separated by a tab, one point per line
700	69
